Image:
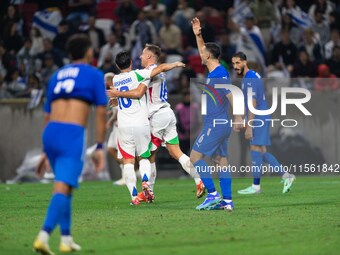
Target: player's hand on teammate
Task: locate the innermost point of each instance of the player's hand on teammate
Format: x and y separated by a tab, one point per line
42	167
98	158
249	133
112	92
196	26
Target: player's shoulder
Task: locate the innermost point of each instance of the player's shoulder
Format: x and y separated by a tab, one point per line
219	72
252	74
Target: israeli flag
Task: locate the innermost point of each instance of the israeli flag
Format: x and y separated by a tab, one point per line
252	44
300	18
241	10
47	22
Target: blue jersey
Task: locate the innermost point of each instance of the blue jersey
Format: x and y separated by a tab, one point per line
217	102
253	80
76	81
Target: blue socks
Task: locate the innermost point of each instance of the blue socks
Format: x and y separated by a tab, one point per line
225	184
65	221
256	160
272	161
202	169
58	212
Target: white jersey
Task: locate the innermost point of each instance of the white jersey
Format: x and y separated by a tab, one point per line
157	92
132	112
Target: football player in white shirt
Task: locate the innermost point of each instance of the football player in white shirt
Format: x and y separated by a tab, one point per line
133	124
162	118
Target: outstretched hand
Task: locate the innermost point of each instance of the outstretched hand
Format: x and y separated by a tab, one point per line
196	26
179	64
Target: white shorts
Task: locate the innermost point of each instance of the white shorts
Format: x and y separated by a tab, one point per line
134	141
112	142
163	128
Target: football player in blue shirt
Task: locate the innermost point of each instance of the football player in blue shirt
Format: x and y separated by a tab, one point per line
258	136
213	139
71	91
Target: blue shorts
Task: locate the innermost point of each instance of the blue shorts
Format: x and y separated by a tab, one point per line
261	135
64	145
213	141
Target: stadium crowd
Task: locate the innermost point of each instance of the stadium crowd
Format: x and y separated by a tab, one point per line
282	38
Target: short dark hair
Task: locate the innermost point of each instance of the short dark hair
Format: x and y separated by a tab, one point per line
240	55
123	60
156	50
77	45
214	49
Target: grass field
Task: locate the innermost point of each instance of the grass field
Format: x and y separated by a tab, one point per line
304	221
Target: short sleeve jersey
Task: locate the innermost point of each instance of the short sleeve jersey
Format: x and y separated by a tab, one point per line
76	81
132	112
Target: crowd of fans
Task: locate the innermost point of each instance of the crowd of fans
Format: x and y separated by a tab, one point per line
282	38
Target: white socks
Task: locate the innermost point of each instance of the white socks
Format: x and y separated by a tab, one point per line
43	236
184	160
130	179
145	169
256	187
153	175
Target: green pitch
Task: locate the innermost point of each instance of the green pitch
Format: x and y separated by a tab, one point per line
304	221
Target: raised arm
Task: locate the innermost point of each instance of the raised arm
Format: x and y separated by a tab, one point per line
165	67
196	28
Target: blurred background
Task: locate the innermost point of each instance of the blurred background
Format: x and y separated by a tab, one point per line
290	43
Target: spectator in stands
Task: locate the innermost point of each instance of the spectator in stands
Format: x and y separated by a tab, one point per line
183	16
111	47
48	70
49	50
170	37
155	12
324	6
142	31
334	62
326	81
80	10
304	67
25	56
321	27
62	36
109	66
311	46
12	16
335	41
227	48
184	78
12	40
187	114
284	53
96	36
334	20
127	13
264	12
287	25
8	60
14	84
37	41
123	37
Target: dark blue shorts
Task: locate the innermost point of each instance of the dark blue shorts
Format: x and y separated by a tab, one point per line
65	145
213	141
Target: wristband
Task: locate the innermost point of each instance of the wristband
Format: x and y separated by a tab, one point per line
99	146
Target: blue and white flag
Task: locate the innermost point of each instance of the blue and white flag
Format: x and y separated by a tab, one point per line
47	22
241	11
300	18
